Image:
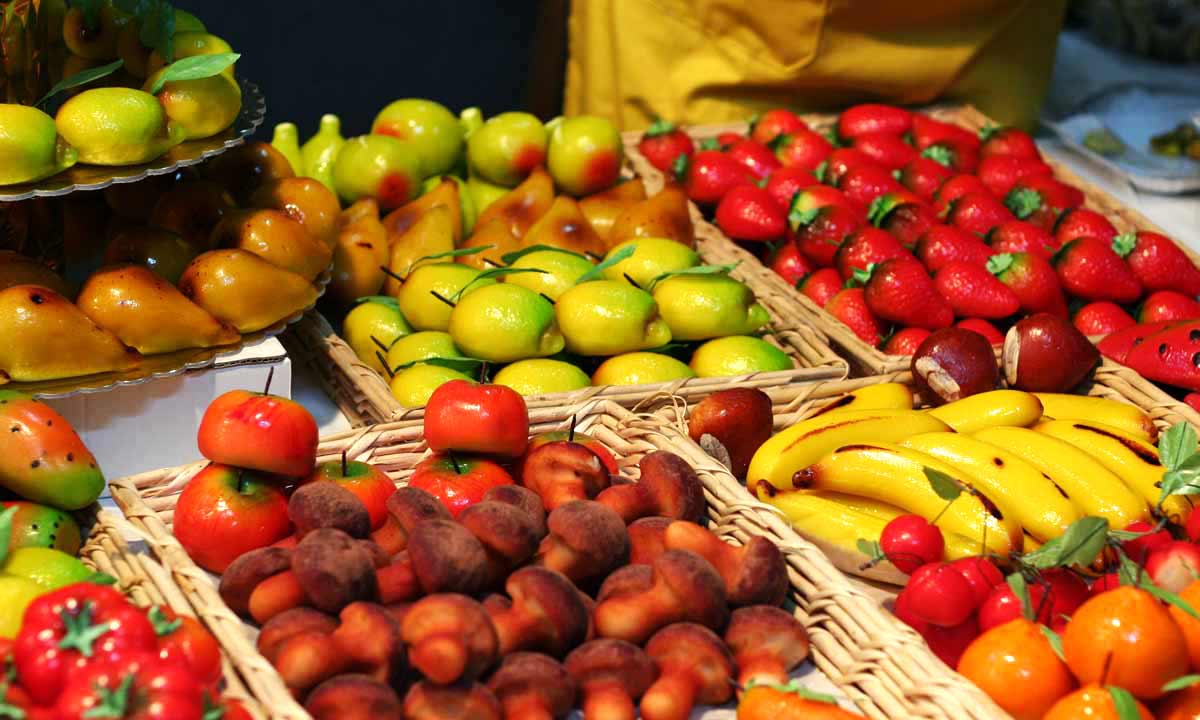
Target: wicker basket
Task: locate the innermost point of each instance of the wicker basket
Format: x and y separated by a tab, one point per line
147	583
865	360
882	665
363	395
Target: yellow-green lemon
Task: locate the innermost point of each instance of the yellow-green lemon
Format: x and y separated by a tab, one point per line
538	376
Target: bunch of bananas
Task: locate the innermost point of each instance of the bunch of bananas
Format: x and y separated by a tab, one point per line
1030	465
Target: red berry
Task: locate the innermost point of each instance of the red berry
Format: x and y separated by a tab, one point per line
940	595
1174	565
1104	583
906	341
1139	548
902	609
1002	606
910	541
949	643
1067	592
981	574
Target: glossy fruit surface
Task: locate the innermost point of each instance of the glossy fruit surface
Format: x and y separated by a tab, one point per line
459	482
366	481
1016	666
584	154
426	125
377	166
465	417
260	432
939	594
225	511
910	541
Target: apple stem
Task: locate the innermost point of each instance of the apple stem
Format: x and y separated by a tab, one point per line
443	298
379	343
548	298
383	361
571	432
632	281
241	482
270	377
387	271
344	470
455	463
483	370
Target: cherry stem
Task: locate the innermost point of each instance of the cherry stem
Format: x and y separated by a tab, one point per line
270	377
943	512
443	298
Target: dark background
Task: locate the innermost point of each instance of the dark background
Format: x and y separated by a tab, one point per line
351	58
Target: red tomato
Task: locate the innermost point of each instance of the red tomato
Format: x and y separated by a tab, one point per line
459	482
184	640
467	417
137	686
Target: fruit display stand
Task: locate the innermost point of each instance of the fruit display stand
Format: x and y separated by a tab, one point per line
878	663
865	359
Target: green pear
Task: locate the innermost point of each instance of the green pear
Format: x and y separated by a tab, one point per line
561	270
428	293
651	258
427	126
701	307
503	323
319	152
738	355
604	317
507	148
538	376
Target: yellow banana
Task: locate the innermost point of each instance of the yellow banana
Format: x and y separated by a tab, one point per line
1031	544
865	505
1133	460
884	396
801	445
1130	418
1090	485
895	475
1017	488
989	409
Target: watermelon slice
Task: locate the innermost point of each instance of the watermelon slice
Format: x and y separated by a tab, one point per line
1116	346
1171	356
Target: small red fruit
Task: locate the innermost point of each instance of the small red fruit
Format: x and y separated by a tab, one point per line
755	157
1003	606
819	233
849	307
1174	566
1000	173
1104	583
949	643
1083	222
978	212
900	291
466	417
865	183
886	149
910	541
1139	548
1088	268
840	162
983	327
902	609
944	244
1167	306
786	182
1158	263
906	341
1101	318
748	212
981	574
773	123
924	176
789	263
803	150
225	511
821	286
868	246
940	595
459	482
1007	141
260	432
1020	236
663	143
873	118
953	189
711	174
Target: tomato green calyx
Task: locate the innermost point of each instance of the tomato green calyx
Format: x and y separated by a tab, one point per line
162	625
212	710
113	703
7	710
80	633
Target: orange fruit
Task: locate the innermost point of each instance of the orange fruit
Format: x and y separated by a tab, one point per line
1125	637
1016	666
1092	702
1180	705
1188	624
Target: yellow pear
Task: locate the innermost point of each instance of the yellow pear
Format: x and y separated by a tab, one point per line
275	237
564	226
444	194
603	208
18	269
46	338
148	313
360	254
494	233
664	215
432	234
522	206
242	289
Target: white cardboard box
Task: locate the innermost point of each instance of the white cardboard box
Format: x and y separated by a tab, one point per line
138	428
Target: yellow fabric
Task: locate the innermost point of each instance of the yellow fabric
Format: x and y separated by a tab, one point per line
711	61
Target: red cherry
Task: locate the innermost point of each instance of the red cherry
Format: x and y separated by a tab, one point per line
909	542
981	574
940	595
1104	583
1192	527
949	643
1174	565
1138	549
902	609
1002	606
1067	592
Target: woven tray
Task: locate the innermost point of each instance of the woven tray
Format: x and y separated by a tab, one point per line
145	582
364	397
865	360
881	665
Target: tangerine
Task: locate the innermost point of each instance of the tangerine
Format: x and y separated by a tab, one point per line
1016	666
1188	624
1180	705
1092	702
1125	637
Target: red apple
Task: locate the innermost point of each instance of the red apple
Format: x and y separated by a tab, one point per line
739	418
225	511
459	482
259	432
1174	566
468	417
591	443
366	481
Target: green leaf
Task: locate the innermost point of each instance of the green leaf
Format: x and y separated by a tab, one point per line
494	273
460	252
1080	545
697	270
6	524
158	28
860	276
1181	682
679	167
1176	445
196	67
940	154
1023	202
1016	581
819	172
1055	641
466	366
870	548
613	258
387	300
512	257
879	209
82	77
710	144
1123	703
946	487
796	218
987	131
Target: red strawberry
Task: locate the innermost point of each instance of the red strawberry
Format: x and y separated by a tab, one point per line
1033	280
886	149
840	162
978	213
900	291
728	139
1193	401
818	196
663	143
1118	345
785	182
818	233
869	246
1165	305
850	307
943	244
1001	172
865	183
1101	318
928	131
789	264
747	212
1088	268
710	175
1007	141
983	327
821	286
957	156
1041	200
1170	356
924	176
755	156
973	291
906	341
773	123
872	118
1020	236
953	189
1158	263
803	149
903	215
1082	222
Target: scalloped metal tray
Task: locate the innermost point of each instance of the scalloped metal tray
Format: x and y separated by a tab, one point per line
153	367
193	152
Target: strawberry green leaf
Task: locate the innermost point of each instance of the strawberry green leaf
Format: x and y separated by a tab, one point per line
1055	641
780	140
512	257
800	218
1124	244
878	211
1080	544
946	487
385	300
6	517
831	135
679	168
82	78
987	132
710	144
659	127
820	170
997	264
613	258
860	276
1016	581
196	67
1023	202
940	154
1181	682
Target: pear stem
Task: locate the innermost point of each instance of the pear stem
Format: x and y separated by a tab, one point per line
270	377
383	361
443	298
